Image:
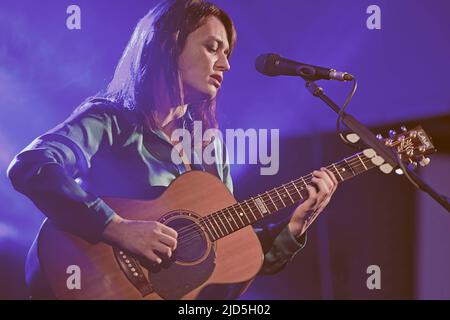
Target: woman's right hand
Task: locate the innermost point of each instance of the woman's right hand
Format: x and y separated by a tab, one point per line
143	238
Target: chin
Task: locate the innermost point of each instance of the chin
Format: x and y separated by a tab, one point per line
209	92
200	95
211	95
201	92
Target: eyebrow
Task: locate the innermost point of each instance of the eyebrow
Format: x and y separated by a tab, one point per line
220	42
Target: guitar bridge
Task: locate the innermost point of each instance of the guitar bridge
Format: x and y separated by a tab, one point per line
133	271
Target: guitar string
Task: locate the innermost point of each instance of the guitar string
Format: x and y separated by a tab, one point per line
276	191
289	187
355	159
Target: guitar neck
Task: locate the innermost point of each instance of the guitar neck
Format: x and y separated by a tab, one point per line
230	219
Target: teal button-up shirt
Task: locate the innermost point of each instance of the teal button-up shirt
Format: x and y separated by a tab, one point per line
103	150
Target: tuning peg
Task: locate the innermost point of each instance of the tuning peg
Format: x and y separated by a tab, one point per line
377	160
403	128
352	137
392	133
413	164
379	136
369	153
424	161
386	168
413	134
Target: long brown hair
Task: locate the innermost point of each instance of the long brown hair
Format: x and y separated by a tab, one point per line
150	59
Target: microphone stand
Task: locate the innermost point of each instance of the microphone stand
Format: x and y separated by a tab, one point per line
369	139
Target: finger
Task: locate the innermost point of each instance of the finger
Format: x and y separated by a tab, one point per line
168	240
151	256
332	177
320	175
323	175
324	203
330	180
169	231
324	189
312	196
164	249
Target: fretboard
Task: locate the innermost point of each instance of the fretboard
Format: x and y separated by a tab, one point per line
230	219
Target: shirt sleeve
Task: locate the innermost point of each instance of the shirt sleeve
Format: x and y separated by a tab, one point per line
46	171
278	244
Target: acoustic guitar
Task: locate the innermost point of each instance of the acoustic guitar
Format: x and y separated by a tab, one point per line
218	252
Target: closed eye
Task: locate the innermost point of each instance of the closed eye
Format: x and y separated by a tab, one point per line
211	49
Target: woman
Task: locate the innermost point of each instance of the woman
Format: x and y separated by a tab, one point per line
118	143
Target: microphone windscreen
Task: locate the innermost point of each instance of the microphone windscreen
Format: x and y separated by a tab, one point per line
265	64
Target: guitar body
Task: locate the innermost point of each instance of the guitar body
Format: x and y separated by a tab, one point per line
199	268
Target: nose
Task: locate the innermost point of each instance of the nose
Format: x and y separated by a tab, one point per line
222	63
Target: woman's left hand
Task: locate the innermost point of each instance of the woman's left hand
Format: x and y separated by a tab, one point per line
323	185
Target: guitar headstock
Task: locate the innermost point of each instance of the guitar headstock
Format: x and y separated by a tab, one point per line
413	146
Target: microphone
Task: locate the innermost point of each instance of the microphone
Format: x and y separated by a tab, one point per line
271	64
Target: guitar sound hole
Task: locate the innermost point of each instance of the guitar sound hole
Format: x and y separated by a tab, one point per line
192	244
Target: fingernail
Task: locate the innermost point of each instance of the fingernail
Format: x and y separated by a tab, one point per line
158	260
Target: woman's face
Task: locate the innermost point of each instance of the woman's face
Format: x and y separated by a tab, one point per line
203	61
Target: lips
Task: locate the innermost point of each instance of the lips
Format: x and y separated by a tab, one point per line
218	79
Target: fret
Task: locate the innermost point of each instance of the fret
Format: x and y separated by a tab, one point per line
241	214
342	179
213	219
240	218
361	161
284	205
245	214
258	207
304	182
237	226
284	186
298	191
256	219
215	231
275	206
351	168
224	225
345	172
228	220
207	229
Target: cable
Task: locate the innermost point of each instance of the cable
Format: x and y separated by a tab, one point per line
341	113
